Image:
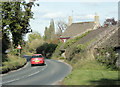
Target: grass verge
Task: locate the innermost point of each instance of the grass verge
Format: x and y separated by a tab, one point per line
13	63
90	72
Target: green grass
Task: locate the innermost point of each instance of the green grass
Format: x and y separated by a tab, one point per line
13	63
90	72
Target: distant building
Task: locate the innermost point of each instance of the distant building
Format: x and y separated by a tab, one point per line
76	29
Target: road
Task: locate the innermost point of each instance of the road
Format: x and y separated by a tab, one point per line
48	74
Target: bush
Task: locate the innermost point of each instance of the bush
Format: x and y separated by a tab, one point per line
80	48
57	52
107	56
46	49
14	52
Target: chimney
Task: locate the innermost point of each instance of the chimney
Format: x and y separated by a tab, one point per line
69	21
96	18
97	24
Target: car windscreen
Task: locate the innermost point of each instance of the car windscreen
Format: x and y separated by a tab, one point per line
39	56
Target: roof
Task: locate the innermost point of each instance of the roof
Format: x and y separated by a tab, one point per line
76	29
113	40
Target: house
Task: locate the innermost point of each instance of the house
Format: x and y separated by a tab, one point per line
76	29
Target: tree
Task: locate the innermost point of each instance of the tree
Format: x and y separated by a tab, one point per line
45	34
15	19
5	41
49	33
110	21
61	26
51	30
34	36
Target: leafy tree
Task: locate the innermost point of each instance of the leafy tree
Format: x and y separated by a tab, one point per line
46	34
52	28
34	36
15	19
51	31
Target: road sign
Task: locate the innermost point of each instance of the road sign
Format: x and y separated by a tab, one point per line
19	47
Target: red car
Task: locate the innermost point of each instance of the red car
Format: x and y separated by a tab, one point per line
37	59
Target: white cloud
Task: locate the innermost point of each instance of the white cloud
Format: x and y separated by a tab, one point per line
53	15
88	16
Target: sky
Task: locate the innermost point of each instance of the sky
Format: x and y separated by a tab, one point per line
79	10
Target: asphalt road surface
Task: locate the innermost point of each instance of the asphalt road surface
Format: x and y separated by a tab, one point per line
48	74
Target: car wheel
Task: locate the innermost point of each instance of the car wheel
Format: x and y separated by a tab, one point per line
32	65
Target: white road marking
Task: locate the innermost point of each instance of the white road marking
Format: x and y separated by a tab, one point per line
24	76
33	73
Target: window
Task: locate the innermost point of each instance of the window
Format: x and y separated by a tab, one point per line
39	56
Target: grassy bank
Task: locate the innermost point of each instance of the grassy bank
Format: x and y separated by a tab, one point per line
13	63
90	72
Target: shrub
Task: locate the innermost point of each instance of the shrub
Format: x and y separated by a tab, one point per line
14	52
46	49
107	56
80	48
57	52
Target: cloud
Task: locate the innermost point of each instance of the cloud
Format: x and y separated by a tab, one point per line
84	17
53	15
